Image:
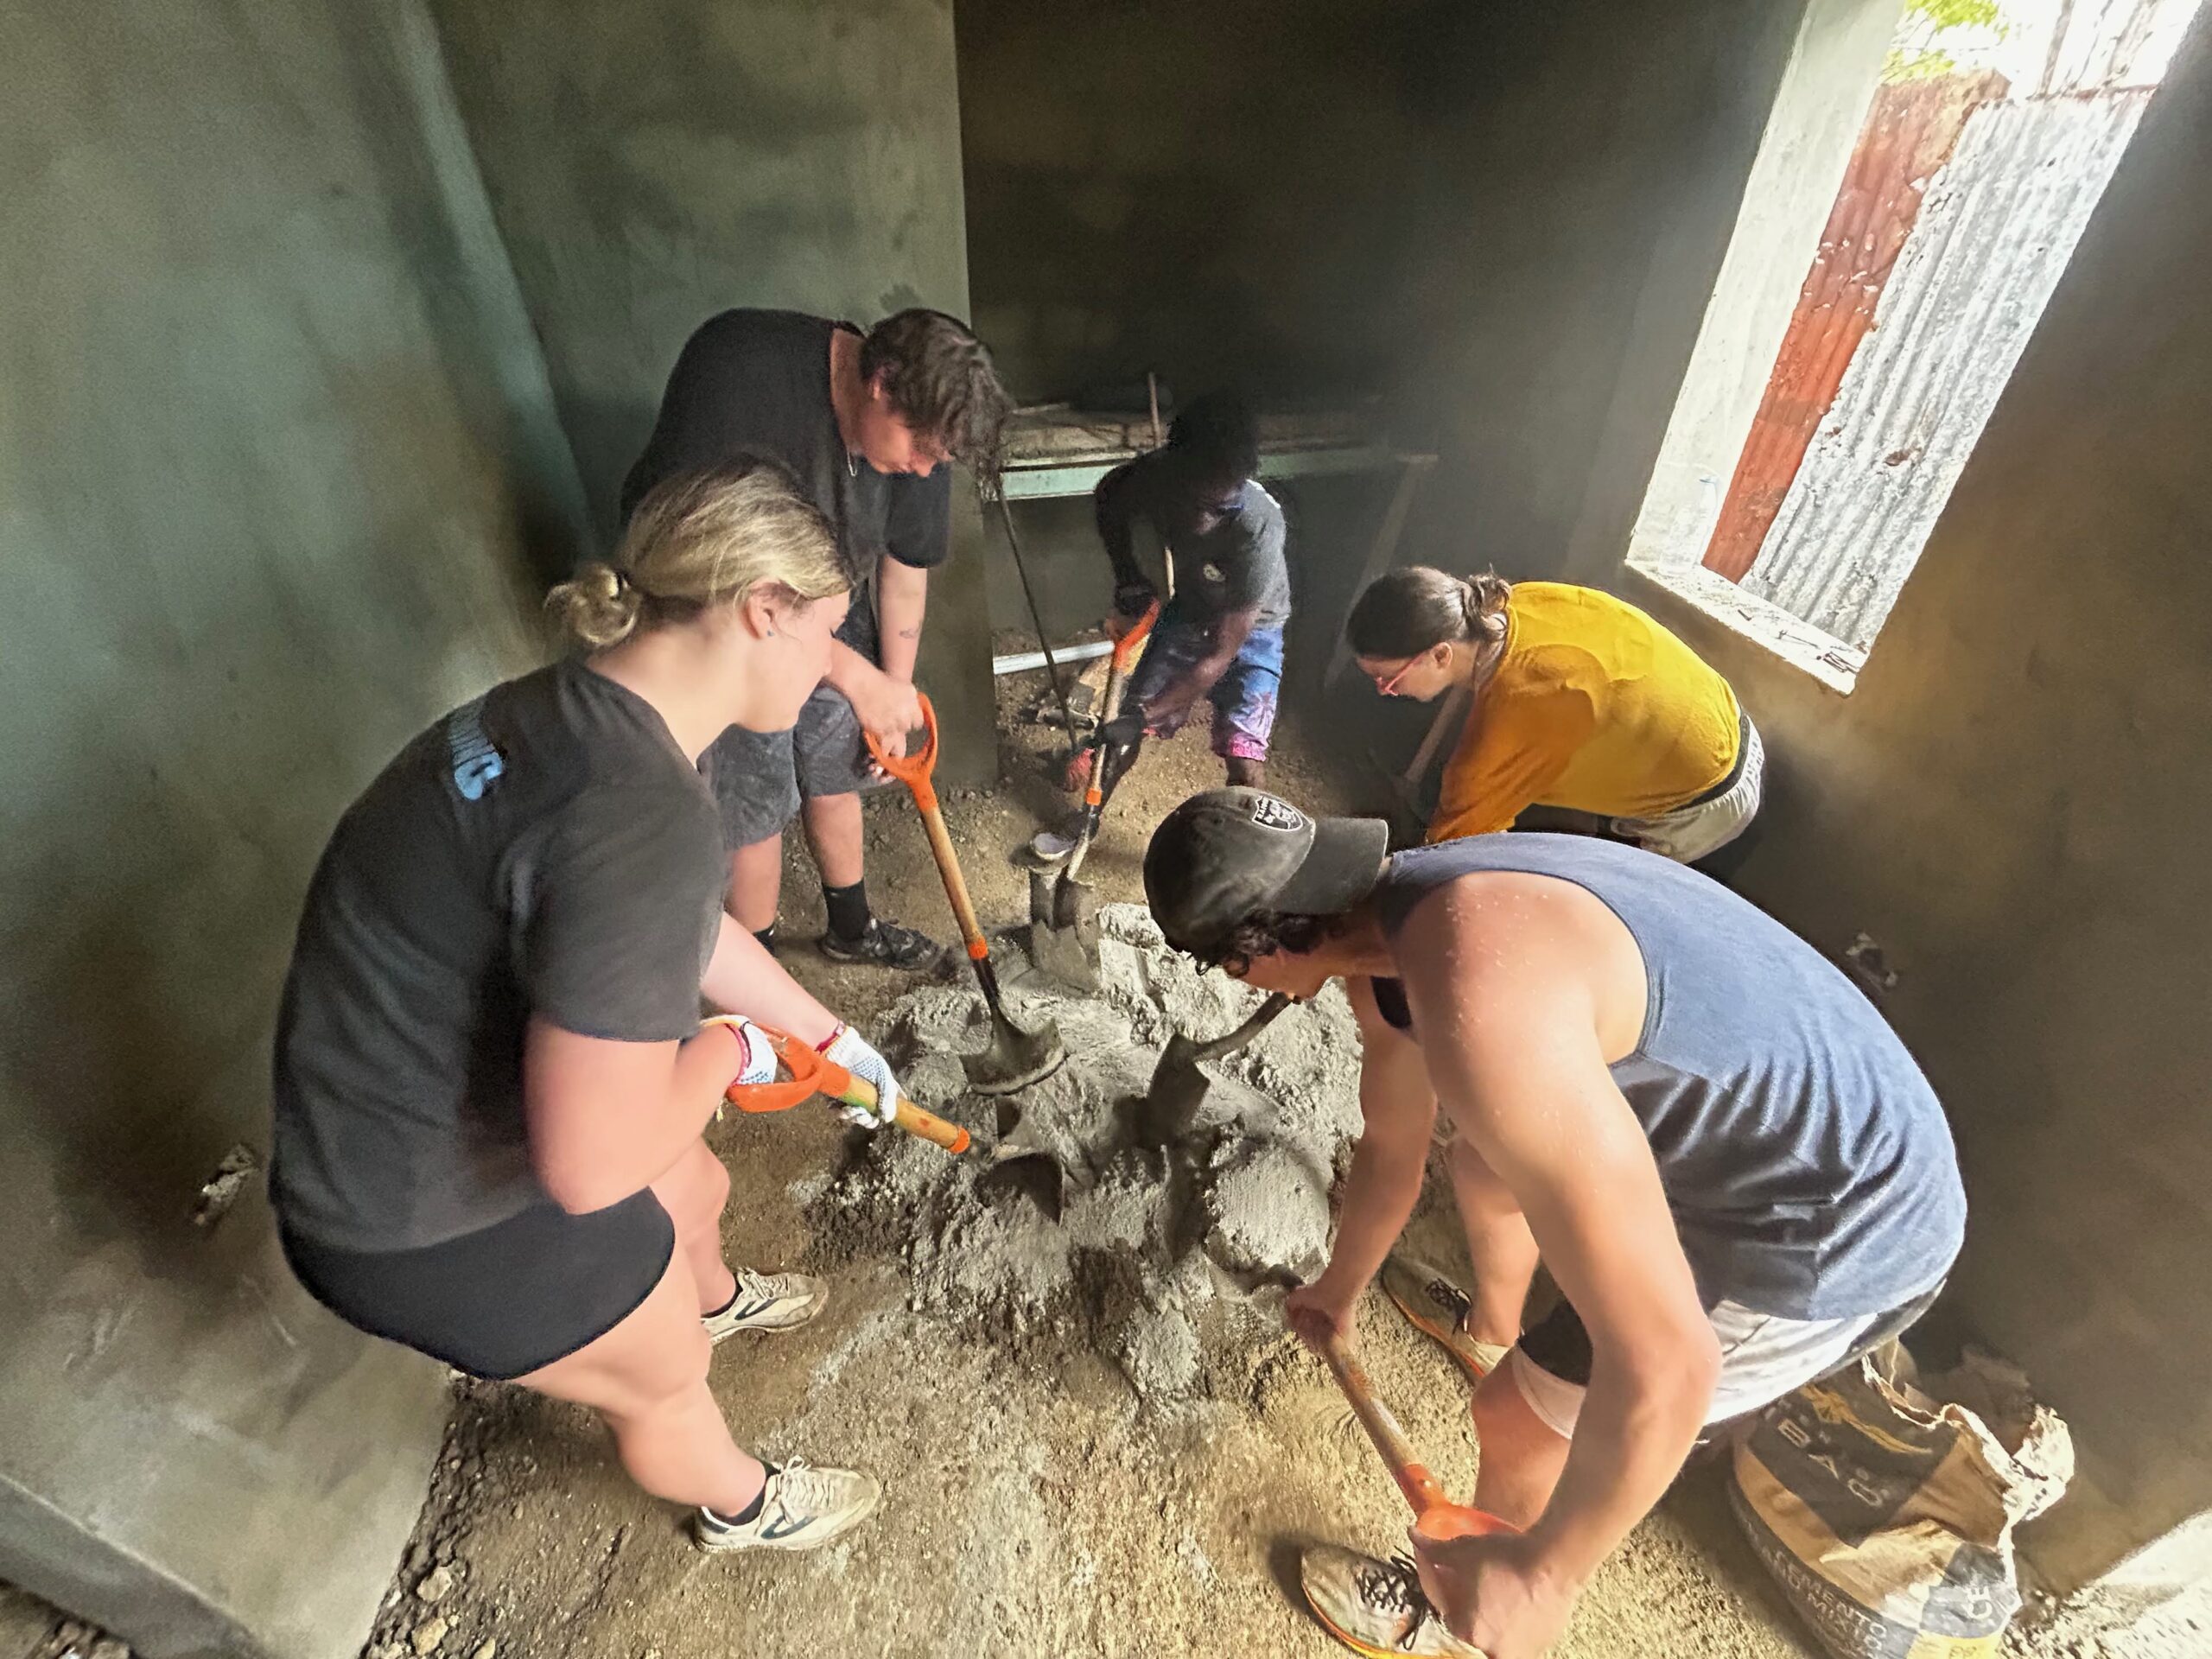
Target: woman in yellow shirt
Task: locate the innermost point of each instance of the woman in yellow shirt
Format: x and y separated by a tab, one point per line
1580	702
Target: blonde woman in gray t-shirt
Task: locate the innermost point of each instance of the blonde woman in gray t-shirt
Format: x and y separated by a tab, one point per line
491	1079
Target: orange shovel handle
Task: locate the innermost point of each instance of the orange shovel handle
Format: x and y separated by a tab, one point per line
1125	646
1434	1515
813	1073
913	769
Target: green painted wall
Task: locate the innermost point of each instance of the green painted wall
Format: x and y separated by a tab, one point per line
277	461
654	163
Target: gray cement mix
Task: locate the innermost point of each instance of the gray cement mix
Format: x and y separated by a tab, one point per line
1153	1255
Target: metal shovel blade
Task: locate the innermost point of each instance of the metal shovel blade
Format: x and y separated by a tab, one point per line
1175	1103
1014	1059
1063	930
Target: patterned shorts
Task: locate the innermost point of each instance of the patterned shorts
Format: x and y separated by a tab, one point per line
1243	698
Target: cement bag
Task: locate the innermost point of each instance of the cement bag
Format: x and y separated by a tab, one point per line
1886	1512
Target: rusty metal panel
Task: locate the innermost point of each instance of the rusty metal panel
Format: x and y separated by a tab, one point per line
1908	134
1998	225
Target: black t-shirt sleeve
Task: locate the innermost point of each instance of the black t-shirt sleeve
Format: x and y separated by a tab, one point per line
917	526
626	890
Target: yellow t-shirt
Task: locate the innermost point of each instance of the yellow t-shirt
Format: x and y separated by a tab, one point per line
1594	707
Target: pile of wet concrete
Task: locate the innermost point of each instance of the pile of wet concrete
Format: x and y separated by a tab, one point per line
1102	1231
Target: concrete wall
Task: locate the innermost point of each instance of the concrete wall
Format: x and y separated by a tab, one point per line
655	163
2012	803
277	457
1205	190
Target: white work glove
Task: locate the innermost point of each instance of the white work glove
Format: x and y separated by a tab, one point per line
761	1062
848	1048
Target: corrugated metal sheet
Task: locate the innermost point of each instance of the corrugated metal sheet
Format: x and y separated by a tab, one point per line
1998	225
1910	133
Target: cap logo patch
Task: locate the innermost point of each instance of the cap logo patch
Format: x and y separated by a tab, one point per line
1273	814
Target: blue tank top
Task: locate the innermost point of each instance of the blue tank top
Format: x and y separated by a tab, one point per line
1806	1160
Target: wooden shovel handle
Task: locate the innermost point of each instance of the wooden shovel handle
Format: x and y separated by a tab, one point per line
1434	1515
814	1073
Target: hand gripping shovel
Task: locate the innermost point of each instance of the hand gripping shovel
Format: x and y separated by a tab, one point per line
1016	1057
1063	912
1434	1515
813	1074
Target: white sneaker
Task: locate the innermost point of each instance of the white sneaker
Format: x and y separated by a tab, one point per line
1051	846
1375	1607
767	1301
801	1508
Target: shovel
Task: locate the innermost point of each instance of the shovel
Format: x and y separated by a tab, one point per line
1435	1516
811	1074
1063	912
1173	1104
1016	1057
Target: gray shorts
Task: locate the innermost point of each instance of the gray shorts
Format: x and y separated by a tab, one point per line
760	778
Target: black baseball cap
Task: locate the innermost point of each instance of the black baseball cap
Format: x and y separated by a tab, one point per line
1230	854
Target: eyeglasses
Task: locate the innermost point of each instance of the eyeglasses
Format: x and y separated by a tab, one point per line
1389	688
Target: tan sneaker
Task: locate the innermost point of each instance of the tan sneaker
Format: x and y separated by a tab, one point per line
767	1301
1375	1607
1439	1308
801	1508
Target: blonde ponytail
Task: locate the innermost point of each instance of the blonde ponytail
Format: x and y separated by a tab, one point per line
595	607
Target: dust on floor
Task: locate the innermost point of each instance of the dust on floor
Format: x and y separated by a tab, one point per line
1035	1502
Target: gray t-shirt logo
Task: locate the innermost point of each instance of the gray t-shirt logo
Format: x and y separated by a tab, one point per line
477	762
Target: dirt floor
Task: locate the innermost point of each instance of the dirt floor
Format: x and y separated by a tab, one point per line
1034	1504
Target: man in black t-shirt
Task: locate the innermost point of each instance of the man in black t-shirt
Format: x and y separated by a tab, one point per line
867	422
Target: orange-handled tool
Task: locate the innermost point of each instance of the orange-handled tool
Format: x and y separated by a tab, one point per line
1435	1516
1016	1057
814	1073
1117	672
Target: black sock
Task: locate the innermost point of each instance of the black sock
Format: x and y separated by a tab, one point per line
751	1512
848	916
766	935
736	1292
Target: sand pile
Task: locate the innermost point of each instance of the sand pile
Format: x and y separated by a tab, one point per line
1151	1254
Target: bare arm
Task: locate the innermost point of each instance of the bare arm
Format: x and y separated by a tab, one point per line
886	707
607	1119
1228	637
1517	988
902	595
744	977
1112	511
1399	1112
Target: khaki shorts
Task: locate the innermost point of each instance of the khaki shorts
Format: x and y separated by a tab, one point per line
1689	832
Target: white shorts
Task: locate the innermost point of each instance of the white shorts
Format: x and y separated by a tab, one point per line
1688	833
1762	1357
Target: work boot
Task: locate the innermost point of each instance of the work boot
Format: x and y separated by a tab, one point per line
1439	1308
1375	1607
801	1508
767	1301
884	944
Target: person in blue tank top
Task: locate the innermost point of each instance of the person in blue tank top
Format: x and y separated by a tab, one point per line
1735	1174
